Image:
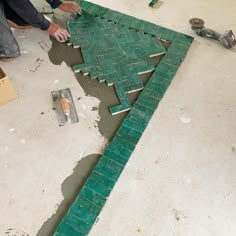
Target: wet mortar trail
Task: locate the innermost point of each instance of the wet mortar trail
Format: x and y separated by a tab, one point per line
70	189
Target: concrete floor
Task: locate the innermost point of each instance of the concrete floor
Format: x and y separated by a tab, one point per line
180	180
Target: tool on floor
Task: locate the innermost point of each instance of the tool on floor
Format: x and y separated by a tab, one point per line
152	3
64	106
227	39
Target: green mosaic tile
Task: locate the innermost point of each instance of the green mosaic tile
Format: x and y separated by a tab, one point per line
129	134
121	142
93	8
92	196
133	87
106	77
163	78
76	223
81	202
153	3
109	168
139	116
117	53
137	120
169	70
133	125
149	101
177	54
184	38
121	95
178	49
118	159
98	188
166	34
116	16
142	35
109	15
158	87
138	24
170	60
152	94
117	77
123	99
102	180
155	88
147	108
88	217
177	43
59	234
103	11
120	53
120	108
65	230
144	98
138	67
122	160
119	150
131	81
156	82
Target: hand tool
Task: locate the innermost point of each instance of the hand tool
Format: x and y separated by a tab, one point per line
227	39
64	106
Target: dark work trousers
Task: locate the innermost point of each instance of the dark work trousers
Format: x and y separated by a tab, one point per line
9	47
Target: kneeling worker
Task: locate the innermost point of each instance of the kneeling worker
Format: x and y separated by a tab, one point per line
22	14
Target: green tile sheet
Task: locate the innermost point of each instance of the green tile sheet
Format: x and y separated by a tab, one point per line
114	52
153	3
116	48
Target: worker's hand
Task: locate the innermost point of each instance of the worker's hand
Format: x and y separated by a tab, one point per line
71	7
58	32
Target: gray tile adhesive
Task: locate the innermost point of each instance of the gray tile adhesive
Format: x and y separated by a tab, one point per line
107	125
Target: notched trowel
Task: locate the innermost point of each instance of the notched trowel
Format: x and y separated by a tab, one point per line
65	107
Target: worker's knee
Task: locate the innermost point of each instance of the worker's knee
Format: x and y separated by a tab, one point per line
9	47
13	51
9	53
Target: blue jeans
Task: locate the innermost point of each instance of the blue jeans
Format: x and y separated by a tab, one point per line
9	47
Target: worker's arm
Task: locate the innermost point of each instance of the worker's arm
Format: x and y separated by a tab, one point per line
68	6
26	10
54	3
29	13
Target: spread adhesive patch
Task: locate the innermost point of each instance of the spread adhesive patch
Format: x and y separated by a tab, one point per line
117	48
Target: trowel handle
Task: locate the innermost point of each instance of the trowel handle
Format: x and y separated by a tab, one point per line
65	106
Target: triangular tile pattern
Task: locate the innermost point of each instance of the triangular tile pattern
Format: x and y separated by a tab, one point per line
84	211
114	53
